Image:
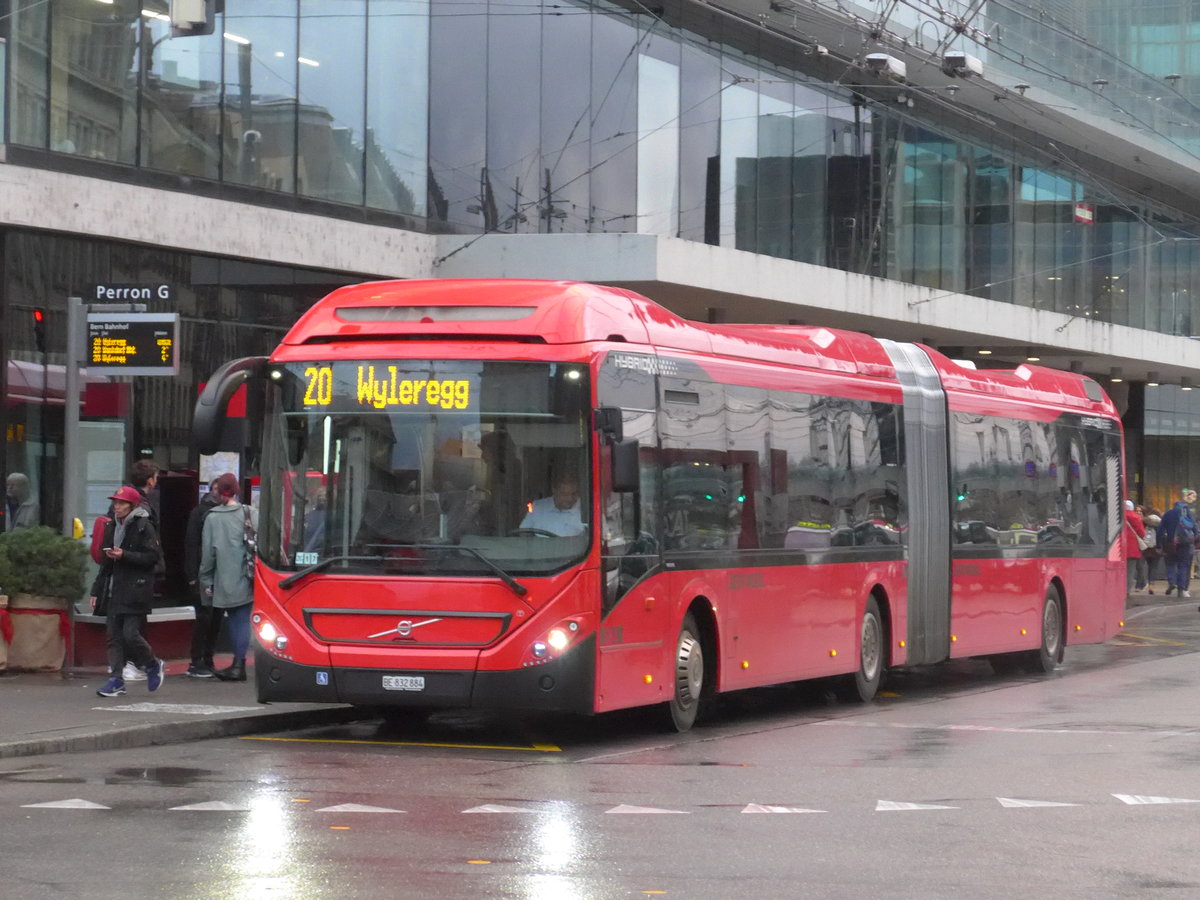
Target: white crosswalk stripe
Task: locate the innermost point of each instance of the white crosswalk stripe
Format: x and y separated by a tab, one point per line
78	803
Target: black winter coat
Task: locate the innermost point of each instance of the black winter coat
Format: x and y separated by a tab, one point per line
130	579
191	545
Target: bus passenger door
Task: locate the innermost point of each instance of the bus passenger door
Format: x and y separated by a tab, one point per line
634	601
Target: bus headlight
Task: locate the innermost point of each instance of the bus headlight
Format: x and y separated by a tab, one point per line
267	633
558	638
539	649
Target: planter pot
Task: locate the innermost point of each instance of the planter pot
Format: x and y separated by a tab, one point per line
39	628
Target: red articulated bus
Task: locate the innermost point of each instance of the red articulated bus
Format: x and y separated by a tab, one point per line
560	496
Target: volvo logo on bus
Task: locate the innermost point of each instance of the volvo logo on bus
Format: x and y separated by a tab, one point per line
404	628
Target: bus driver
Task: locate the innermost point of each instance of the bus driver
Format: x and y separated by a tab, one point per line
559	513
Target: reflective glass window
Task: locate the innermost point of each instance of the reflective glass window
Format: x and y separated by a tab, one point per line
566	116
458	186
699	143
29	81
614	124
93	59
397	120
514	79
739	152
259	100
658	138
332	81
181	85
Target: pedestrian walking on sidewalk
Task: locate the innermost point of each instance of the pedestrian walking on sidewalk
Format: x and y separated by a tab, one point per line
1134	535
1156	570
124	589
227	566
1177	539
208	620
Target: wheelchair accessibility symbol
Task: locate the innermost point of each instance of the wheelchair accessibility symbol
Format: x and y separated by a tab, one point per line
323	678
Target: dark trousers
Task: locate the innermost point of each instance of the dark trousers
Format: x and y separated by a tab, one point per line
204	634
126	643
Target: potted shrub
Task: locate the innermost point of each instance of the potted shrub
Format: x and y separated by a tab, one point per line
41	571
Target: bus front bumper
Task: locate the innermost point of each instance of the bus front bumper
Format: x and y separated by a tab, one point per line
565	684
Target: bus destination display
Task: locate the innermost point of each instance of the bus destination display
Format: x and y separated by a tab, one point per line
132	343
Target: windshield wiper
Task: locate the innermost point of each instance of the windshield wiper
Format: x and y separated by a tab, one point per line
515	586
323	564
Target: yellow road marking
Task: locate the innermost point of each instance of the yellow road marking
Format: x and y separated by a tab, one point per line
1144	637
539	748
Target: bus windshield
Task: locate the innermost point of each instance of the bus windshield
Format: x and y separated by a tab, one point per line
404	467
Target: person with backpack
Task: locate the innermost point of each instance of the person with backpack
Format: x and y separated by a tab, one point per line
227	568
1177	538
207	625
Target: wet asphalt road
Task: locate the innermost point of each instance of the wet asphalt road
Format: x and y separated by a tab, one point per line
955	782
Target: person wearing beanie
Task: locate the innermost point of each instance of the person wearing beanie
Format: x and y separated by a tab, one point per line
226	568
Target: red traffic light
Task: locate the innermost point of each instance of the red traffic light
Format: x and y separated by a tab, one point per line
39	315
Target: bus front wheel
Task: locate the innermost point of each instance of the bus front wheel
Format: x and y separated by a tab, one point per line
689	685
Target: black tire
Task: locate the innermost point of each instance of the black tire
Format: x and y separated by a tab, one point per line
688	690
863	685
1046	658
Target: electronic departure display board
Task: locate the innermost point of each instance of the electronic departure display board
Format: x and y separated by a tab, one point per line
132	344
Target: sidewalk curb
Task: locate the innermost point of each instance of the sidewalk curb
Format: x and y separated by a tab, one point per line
147	735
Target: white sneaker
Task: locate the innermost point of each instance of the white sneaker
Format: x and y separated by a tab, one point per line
133	673
1187	593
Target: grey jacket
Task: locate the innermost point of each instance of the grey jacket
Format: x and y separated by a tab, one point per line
223	556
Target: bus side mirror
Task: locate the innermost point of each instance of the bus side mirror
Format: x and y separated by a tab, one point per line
209	416
625	476
608	421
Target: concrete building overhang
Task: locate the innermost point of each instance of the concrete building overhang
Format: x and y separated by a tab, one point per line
698	281
703	282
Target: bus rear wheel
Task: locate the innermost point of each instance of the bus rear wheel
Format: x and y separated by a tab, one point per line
864	684
689	686
1046	658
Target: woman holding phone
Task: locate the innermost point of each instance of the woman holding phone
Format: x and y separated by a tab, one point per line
124	589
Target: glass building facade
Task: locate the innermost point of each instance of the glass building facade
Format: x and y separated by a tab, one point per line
501	117
506	117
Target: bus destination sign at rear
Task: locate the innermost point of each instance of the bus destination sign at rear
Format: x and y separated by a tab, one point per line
132	344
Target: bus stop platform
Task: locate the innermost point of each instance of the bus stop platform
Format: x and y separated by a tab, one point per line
56	712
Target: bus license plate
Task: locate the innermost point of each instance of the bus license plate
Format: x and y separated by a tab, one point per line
404	682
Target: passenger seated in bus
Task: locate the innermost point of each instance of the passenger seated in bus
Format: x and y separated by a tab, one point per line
559	514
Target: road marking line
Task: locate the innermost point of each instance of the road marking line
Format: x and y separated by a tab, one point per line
498	808
1010	803
533	748
1000	730
762	808
211	806
898	806
65	804
624	810
1142	799
357	807
1146	637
